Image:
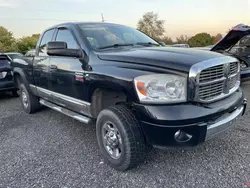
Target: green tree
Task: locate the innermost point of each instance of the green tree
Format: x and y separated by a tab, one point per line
217	38
7	41
151	25
200	40
167	40
27	43
183	39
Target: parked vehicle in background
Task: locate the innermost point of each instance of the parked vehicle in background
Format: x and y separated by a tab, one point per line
139	94
236	44
31	53
13	55
181	45
6	75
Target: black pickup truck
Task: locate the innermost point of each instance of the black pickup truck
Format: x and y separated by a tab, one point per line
137	93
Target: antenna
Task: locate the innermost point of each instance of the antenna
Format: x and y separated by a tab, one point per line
103	18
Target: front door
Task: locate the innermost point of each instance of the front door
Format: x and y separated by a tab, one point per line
41	65
67	77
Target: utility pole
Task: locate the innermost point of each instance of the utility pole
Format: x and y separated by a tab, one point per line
103	18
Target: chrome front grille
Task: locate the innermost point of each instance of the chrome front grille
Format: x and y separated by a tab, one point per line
210	91
234	68
233	81
215	80
212	73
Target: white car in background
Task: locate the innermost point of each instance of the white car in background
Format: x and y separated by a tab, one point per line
181	45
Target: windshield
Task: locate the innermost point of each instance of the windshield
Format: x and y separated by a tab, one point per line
242	48
103	35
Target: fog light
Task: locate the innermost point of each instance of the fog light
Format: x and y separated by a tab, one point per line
181	136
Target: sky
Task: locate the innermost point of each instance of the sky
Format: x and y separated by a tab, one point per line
187	17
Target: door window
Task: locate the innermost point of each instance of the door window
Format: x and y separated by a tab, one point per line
47	37
64	35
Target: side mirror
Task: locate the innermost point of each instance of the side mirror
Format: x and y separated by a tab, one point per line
57	48
162	43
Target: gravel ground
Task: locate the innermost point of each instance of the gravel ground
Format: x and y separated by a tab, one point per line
48	149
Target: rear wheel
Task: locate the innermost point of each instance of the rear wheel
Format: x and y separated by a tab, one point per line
29	102
120	138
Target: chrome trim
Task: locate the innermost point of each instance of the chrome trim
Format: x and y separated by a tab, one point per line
213	81
67	112
64	97
196	69
71	103
224	123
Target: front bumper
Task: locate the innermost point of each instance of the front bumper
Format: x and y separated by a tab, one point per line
162	125
224	123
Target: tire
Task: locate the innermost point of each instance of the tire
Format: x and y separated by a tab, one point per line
30	103
18	81
15	93
132	147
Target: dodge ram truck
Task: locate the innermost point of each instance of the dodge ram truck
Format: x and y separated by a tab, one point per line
136	93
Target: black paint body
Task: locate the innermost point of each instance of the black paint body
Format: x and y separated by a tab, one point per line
115	69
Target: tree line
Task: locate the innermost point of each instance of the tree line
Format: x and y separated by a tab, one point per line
149	24
10	44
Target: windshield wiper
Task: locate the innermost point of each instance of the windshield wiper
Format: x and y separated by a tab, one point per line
147	44
115	46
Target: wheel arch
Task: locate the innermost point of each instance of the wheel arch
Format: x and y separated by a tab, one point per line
103	97
19	75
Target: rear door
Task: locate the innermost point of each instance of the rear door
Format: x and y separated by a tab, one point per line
41	65
67	80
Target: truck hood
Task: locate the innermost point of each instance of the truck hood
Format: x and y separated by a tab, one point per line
236	34
165	57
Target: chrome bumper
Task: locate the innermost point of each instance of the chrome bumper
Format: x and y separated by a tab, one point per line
225	123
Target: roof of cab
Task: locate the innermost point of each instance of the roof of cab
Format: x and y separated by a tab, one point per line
77	23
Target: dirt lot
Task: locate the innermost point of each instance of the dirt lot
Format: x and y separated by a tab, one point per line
48	149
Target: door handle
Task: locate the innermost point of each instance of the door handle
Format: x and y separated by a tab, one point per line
52	67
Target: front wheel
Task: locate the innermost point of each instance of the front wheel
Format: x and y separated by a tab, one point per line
120	138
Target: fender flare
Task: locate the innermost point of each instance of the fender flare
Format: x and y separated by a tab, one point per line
20	72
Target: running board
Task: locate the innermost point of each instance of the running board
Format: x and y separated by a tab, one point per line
66	112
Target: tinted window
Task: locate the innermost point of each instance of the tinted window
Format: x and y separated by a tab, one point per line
64	35
47	37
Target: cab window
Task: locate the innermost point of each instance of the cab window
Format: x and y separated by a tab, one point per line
47	37
64	35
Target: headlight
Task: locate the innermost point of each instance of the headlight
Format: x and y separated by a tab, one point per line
161	88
